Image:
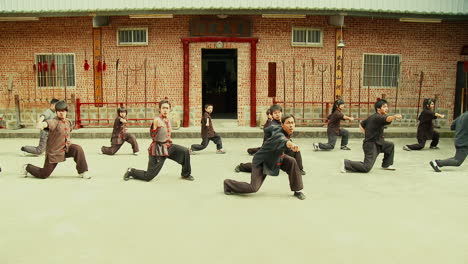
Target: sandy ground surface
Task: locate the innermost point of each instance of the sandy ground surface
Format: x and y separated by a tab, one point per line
412	215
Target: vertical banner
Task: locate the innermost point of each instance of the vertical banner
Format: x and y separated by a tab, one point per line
97	62
338	65
271	79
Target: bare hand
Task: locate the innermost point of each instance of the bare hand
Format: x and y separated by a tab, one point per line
398	116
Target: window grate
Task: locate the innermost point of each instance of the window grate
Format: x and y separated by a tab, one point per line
55	78
307	37
132	36
381	70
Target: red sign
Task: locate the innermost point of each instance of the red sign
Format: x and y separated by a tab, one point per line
220	27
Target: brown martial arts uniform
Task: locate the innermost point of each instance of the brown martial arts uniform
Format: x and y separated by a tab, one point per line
207	134
160	149
426	131
268	161
334	130
58	148
268	123
373	144
120	136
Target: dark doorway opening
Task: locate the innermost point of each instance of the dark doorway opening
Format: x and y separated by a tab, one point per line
219	81
461	91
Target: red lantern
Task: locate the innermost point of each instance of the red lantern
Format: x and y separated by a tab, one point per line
99	66
39	66
104	66
52	65
86	65
45	67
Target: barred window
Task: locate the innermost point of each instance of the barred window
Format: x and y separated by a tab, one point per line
132	36
55	70
381	70
311	37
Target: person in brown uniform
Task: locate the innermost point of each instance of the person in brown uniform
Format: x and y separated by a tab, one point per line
59	146
162	148
208	133
270	159
277	113
426	127
120	135
334	130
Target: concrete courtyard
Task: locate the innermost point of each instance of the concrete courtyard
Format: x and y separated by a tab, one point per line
411	215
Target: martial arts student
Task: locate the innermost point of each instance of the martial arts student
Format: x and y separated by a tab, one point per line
120	135
48	114
252	151
270	159
460	125
426	127
162	148
59	146
334	130
208	133
374	143
277	113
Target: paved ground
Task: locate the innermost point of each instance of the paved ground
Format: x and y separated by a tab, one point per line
412	215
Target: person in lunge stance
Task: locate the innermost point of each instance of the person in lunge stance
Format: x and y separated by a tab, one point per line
252	151
162	148
426	127
270	159
334	130
208	133
59	146
460	125
48	114
374	143
120	135
277	113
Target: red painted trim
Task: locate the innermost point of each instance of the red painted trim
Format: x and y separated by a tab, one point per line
253	73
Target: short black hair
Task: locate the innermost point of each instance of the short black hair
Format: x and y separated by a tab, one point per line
61	105
286	117
207	105
276	107
427	102
268	111
54	101
164	101
121	109
379	104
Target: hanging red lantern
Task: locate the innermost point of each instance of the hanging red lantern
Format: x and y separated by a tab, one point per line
52	65
45	67
99	66
39	66
104	66
86	65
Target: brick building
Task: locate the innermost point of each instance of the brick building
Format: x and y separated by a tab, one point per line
240	56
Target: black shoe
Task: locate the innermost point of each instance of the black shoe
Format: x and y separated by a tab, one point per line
345	148
237	169
434	147
188	178
303	172
226	192
127	176
300	195
434	165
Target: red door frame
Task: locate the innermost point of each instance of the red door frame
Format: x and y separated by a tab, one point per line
253	73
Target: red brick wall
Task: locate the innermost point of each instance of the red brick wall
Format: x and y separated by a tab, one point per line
431	48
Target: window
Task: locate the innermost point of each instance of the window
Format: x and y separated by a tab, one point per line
49	77
132	36
309	37
381	70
